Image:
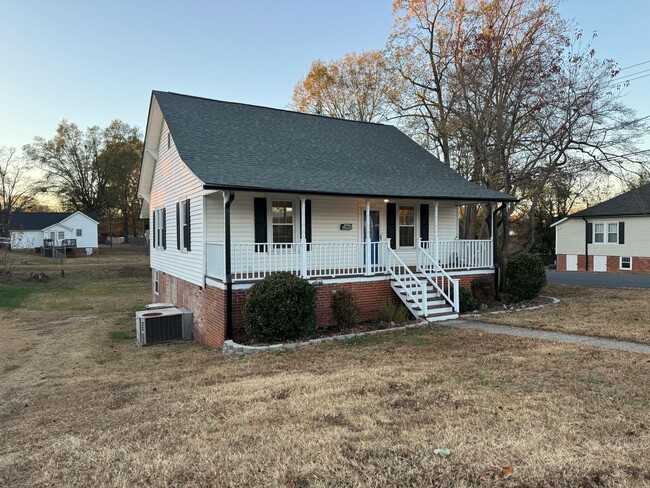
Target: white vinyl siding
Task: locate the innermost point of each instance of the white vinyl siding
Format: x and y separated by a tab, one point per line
570	237
173	182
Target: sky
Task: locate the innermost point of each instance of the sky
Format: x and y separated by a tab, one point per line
91	62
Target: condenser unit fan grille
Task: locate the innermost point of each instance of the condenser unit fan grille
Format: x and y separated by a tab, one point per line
165	328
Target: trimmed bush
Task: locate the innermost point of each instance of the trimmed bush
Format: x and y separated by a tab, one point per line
483	289
525	277
281	307
344	309
466	301
389	312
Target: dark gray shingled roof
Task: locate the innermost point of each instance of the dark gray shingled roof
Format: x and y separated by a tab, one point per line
633	202
39	220
233	145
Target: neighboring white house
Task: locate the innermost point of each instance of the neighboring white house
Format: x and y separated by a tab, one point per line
235	192
612	237
30	229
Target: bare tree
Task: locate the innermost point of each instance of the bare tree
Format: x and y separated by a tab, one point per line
16	190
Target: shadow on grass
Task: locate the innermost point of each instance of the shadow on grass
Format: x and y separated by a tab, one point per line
421	336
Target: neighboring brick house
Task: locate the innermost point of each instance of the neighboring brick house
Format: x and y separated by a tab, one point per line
235	192
611	237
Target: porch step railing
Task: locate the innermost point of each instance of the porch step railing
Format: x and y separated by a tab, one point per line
460	254
311	260
438	277
406	281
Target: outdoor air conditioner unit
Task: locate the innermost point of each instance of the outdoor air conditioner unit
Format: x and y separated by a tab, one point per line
163	325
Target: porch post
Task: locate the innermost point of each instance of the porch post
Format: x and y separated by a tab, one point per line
303	239
368	253
435	226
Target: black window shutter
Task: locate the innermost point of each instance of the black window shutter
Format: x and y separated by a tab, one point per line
590	233
391	217
163	226
154	229
259	209
188	232
424	221
308	222
178	226
621	232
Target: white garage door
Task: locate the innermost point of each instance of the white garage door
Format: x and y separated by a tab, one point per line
572	262
600	263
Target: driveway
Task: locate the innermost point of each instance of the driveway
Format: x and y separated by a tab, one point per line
607	280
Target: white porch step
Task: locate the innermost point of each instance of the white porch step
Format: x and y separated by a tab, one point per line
440	318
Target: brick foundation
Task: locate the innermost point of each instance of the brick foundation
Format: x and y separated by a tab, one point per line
640	265
209	304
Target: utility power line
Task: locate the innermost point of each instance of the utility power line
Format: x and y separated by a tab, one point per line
634	65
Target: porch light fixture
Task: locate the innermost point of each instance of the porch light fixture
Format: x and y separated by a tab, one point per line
385	200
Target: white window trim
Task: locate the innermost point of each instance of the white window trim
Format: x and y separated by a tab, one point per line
415	225
605	233
295	224
156	282
620	263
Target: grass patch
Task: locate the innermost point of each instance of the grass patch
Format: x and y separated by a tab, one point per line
622	314
14	296
120	335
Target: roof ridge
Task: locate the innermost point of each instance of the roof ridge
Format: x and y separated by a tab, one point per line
273	108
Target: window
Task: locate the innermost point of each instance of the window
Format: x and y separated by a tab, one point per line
626	263
79	233
612	233
169	140
406	226
61	235
183	225
606	232
599	233
155	281
52	235
159	237
282	221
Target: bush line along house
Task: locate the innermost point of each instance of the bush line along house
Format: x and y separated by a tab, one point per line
235	192
613	236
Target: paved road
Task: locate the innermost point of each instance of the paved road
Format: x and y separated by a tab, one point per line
607	280
551	336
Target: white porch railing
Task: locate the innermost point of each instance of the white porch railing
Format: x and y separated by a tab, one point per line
322	259
215	257
460	254
438	277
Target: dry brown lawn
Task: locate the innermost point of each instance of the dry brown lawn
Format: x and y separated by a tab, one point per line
80	405
622	314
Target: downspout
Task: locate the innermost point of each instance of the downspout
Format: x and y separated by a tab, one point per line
231	197
497	270
586	244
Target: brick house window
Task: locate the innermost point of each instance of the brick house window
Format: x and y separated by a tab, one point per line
626	263
155	282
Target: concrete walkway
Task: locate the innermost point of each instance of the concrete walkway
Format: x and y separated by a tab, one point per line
607	280
551	336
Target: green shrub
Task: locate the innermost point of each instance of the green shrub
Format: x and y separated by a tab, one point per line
466	301
280	307
483	289
344	309
389	312
525	277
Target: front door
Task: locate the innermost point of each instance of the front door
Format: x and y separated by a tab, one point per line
374	236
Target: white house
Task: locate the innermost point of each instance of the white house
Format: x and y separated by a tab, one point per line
31	230
235	192
612	237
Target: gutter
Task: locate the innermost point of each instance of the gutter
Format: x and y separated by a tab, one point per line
586	243
231	197
494	249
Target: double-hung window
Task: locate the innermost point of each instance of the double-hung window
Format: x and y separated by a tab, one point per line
282	218
406	226
606	232
159	222
612	233
79	232
626	263
599	233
